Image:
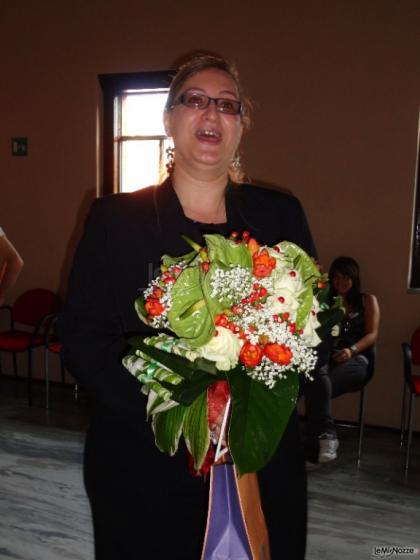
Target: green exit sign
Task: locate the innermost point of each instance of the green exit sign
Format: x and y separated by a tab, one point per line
19	146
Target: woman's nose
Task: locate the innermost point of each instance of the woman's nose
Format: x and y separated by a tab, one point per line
210	111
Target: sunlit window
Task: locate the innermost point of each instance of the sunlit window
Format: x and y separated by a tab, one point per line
140	139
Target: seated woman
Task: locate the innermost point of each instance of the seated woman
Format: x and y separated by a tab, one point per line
347	368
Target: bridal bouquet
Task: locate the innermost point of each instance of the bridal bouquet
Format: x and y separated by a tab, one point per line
238	323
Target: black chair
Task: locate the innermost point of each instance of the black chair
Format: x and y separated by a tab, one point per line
371	355
411	386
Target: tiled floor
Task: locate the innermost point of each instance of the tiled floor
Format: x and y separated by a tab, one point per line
44	514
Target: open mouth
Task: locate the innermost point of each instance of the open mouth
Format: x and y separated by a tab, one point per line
207	135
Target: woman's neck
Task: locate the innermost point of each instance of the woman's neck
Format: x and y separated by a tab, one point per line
202	199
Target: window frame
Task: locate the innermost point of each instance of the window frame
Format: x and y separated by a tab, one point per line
112	86
414	270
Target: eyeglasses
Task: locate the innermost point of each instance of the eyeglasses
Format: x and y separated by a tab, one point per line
194	100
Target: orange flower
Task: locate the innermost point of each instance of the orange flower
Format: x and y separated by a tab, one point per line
263	264
278	353
153	307
253	246
251	354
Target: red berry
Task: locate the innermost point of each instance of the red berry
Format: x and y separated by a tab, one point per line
281	299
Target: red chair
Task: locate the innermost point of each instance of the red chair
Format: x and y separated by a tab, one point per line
411	356
53	345
32	310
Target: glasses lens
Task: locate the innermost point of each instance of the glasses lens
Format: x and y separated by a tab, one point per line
228	106
194	100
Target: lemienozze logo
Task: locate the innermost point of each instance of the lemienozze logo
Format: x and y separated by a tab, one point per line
389	551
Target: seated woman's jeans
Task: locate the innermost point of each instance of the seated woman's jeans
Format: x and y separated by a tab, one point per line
330	381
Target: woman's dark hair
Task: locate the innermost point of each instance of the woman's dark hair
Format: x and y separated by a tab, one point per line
349	267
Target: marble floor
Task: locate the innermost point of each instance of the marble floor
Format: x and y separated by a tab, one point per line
44	514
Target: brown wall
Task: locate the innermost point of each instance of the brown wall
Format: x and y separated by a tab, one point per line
336	92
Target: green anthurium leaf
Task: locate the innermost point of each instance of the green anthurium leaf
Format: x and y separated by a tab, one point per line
167	427
306	300
227	252
196	431
301	261
196	328
168	261
258	419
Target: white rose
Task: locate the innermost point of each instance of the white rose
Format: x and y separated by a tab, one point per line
286	290
283	280
223	349
279	256
284	301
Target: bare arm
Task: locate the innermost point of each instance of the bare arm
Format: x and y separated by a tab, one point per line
11	264
372	317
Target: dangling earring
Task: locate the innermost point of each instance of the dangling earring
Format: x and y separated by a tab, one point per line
236	162
236	172
170	159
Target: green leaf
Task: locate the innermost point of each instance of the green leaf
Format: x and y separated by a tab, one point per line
196	328
187	258
167	427
189	389
178	364
259	418
305	300
227	252
197	375
196	431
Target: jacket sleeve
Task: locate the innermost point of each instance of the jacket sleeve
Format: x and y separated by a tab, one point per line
90	326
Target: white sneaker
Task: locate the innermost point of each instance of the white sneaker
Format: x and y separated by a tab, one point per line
328	446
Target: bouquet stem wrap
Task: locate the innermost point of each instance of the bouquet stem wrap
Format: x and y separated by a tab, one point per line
235	522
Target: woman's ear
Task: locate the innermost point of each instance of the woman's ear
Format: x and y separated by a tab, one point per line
167	122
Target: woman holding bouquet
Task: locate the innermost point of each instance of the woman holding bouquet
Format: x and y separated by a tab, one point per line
144	503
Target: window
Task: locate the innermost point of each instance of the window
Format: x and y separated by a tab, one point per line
140	139
134	141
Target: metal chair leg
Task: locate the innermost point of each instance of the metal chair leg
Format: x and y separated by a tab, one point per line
361	423
47	380
30	377
403	415
63	373
411	416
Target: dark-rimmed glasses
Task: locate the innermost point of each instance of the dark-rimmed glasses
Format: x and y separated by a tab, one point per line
194	100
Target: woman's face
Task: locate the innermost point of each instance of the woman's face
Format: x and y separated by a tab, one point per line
205	139
342	283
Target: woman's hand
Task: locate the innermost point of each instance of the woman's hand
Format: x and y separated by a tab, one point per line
342	355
